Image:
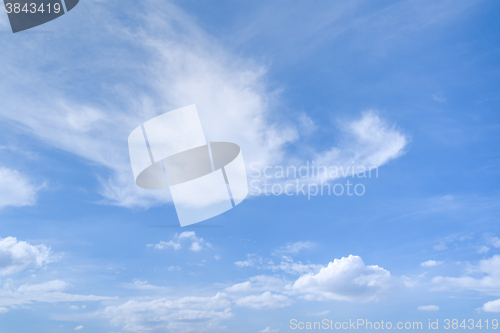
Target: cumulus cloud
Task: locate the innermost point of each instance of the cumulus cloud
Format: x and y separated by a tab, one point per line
428	308
266	300
268	330
431	263
79	328
16	189
492	306
345	279
17	255
197	243
483	277
187	314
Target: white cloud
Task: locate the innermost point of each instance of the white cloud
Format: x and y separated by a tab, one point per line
47	292
165	245
197	243
187	314
16	189
3	310
295	248
444	242
268	330
319	314
259	283
494	241
79	328
4	20
288	265
485	278
491	241
174	268
252	261
428	308
266	300
371	143
345	279
431	263
17	255
183	66
439	97
140	285
483	249
492	306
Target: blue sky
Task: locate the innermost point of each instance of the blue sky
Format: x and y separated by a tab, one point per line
411	87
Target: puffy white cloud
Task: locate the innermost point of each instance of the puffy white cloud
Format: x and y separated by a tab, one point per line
266	300
492	306
187	314
345	279
3	310
428	308
17	255
431	263
16	189
79	328
268	330
197	243
485	278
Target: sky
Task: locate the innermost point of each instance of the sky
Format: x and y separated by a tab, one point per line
409	89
